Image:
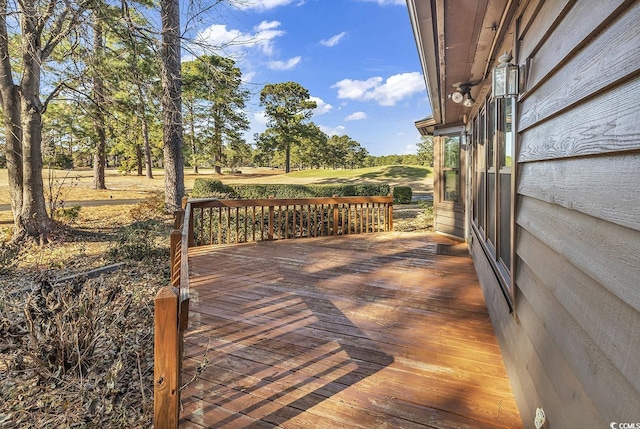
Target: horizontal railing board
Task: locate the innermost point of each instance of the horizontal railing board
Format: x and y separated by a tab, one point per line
274	202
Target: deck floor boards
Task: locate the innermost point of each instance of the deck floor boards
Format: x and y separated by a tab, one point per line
362	331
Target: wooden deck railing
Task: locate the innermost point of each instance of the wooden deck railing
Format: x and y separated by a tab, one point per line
171	318
236	221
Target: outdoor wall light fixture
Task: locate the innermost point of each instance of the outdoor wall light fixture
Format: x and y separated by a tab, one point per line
505	78
462	94
466	140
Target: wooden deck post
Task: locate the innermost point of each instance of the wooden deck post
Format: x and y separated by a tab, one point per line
174	260
166	349
192	240
335	217
270	233
178	219
390	213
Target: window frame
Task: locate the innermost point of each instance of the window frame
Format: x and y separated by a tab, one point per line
492	141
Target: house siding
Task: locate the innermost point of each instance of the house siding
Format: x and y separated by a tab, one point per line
572	345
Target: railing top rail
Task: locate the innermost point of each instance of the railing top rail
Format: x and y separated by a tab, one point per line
275	202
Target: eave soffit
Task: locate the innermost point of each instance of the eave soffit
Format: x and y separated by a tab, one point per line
457	41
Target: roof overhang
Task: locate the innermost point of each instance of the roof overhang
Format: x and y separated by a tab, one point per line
426	126
458	42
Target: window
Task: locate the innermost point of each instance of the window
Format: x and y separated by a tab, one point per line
479	162
505	154
451	169
493	153
491	173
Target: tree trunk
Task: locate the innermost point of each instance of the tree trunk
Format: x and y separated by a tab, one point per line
11	108
287	158
147	145
34	218
145	131
99	155
139	158
13	148
217	140
172	105
194	148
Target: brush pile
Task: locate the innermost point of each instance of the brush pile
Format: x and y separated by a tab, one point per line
77	354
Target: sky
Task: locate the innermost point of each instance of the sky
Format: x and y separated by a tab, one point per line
357	58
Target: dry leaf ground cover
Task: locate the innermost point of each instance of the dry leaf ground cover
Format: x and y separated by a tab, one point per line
79	352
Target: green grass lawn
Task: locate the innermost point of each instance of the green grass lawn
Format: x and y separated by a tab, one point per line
410	172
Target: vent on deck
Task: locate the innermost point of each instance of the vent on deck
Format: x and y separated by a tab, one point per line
453	250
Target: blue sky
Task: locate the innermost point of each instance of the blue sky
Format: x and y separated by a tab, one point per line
357	58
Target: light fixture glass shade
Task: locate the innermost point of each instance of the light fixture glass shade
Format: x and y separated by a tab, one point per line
468	100
505	78
466	140
457	97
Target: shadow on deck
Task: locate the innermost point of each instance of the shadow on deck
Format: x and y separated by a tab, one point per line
359	331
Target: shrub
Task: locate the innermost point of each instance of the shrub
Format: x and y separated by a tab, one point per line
138	241
71	214
402	194
151	207
208	188
59	160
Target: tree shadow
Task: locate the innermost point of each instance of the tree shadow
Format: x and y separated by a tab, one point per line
398	172
279	351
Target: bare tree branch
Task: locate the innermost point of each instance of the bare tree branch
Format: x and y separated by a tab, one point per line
46	16
58	32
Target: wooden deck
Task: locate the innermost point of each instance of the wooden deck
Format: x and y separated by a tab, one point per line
368	331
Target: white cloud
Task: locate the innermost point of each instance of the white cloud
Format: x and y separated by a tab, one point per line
267	25
217	35
260	118
410	149
248	76
334	40
332	131
262	4
284	65
356	116
388	2
234	41
356	89
394	89
322	107
265	33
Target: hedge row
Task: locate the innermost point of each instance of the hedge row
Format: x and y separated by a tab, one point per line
210	188
402	194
